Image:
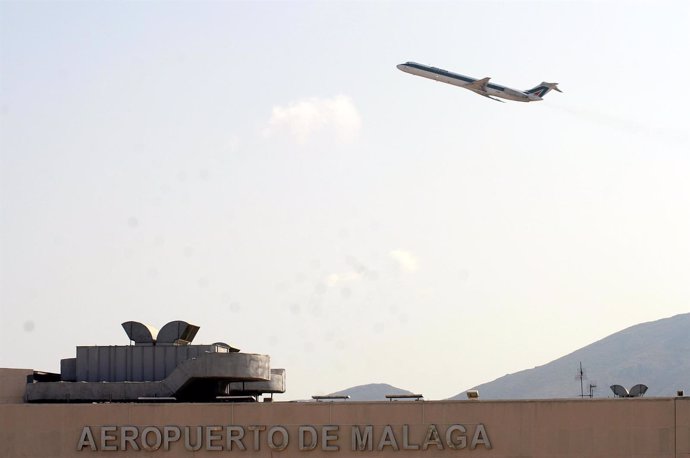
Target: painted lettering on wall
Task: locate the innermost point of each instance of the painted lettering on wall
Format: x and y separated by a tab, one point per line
277	438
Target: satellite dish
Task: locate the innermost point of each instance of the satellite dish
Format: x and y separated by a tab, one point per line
635	392
638	390
620	391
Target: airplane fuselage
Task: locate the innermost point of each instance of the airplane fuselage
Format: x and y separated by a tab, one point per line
444	76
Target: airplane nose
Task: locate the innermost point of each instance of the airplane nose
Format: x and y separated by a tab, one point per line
401	67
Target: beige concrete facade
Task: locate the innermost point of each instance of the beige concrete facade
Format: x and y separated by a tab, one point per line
13	385
643	427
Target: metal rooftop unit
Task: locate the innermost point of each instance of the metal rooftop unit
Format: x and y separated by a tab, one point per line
161	365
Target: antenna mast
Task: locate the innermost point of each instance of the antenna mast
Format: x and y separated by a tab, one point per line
581	376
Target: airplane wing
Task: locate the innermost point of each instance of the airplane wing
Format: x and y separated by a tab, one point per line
478	85
492	98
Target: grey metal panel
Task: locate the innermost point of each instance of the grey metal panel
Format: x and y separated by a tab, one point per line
168	357
92	365
96	364
158	363
137	363
120	374
149	364
103	365
82	363
130	363
68	369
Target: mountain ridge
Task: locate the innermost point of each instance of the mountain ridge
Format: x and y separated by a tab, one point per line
370	392
654	353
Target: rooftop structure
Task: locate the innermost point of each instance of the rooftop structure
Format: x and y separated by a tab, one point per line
160	365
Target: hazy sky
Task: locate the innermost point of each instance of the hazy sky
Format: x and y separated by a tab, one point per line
264	171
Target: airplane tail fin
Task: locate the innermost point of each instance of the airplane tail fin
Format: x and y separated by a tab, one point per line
542	89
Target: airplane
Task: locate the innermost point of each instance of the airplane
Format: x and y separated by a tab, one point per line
479	86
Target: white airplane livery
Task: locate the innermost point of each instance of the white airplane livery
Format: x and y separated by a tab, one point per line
479	86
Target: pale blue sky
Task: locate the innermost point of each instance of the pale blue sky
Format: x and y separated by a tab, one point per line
264	171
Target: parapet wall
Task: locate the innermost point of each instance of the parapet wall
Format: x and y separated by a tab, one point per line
641	427
13	385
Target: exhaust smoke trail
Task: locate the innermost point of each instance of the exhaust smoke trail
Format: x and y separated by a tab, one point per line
621	123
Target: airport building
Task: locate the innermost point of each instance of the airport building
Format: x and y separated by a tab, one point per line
165	396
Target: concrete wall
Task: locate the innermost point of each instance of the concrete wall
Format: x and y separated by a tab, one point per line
645	427
591	428
13	385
